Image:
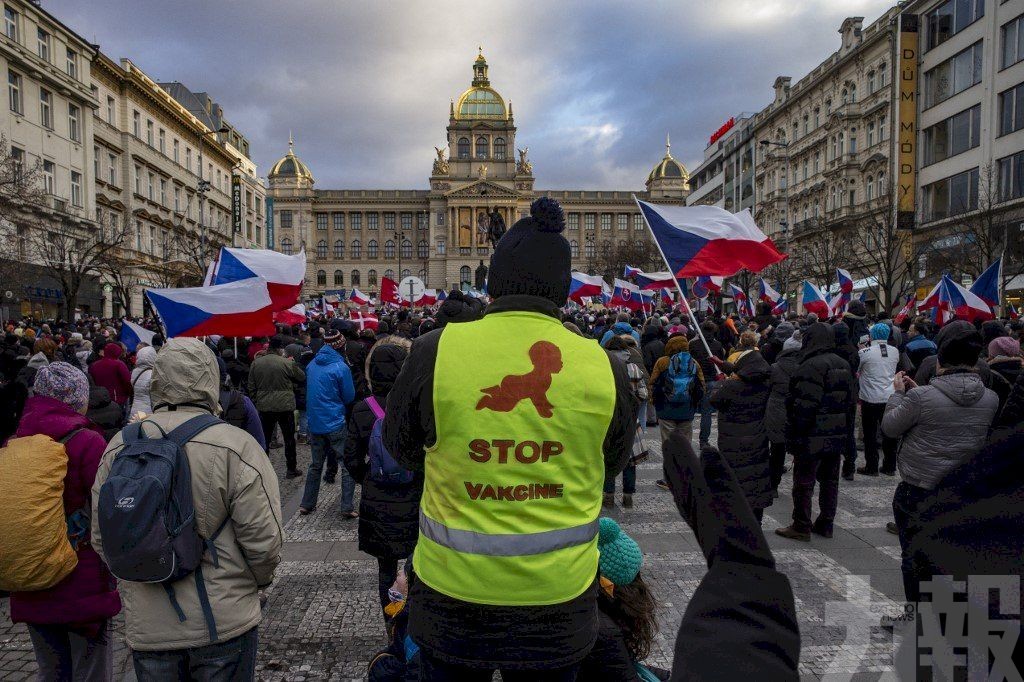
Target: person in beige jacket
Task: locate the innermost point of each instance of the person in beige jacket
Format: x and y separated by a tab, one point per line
231	476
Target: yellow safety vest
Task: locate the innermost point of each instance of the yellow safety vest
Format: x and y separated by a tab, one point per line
512	490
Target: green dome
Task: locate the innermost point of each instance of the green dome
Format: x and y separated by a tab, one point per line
481	102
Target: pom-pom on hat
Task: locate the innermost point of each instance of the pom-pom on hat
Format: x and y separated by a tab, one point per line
620	558
533	257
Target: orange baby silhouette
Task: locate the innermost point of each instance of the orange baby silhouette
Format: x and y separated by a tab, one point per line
534	385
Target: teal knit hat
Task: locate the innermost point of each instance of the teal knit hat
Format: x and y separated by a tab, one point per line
621	557
880	331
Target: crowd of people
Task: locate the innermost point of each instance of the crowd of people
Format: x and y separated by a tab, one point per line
484	444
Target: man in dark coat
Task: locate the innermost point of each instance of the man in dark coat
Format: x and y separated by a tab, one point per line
459	307
855	318
741	401
783	369
817	418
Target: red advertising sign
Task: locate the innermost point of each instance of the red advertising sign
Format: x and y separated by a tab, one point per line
726	127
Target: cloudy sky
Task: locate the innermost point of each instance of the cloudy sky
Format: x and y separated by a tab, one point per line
365	86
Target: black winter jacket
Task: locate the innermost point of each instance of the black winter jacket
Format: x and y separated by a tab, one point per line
821	396
783	369
107	414
609	660
700	354
742	438
653	347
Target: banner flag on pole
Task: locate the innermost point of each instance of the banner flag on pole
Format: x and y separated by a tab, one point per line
242	308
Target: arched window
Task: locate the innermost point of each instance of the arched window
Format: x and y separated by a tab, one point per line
389	249
882	71
321	248
796	130
339	248
321	278
639	243
406	248
845	97
589	250
465	275
805	211
869	188
357	248
286	246
853	93
817	208
807	123
481	147
371	278
371	248
339	278
871	133
463	147
574	248
422	249
355	278
499	147
622	243
423	275
390	274
406	272
828	106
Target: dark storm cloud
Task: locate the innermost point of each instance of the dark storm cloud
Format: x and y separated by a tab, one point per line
365	86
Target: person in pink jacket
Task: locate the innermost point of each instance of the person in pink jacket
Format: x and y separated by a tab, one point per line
112	373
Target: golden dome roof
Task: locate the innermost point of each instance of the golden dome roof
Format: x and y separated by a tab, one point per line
290	165
481	101
668	167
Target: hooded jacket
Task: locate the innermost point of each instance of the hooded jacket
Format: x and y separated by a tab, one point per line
783	369
619	329
676	345
942	425
741	401
88	594
112	374
329	391
27	374
231	477
142	375
821	395
272	383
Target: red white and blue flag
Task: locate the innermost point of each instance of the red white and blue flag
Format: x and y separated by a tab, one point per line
647	300
358	297
294	315
650	280
708	240
950	297
842	300
814	301
429	297
986	287
1011	310
740	299
242	308
627	295
583	285
132	335
283	274
907	310
667	295
773	298
705	284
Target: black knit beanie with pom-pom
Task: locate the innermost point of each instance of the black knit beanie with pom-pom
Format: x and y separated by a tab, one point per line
533	257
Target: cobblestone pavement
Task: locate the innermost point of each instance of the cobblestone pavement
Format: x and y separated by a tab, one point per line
322	619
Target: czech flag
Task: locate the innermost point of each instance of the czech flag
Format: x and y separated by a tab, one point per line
907	310
242	308
647	300
740	298
283	274
132	335
781	306
442	295
650	280
767	294
814	301
1011	310
583	285
706	284
986	287
358	297
950	297
626	295
389	292
667	295
429	297
294	315
708	240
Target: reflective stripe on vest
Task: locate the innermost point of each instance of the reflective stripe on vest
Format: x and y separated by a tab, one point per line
508	544
512	486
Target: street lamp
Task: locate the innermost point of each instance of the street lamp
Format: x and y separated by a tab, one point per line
784	223
203	186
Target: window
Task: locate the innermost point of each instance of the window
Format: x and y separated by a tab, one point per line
138	180
286	246
853	140
286	219
339	278
163	192
953	136
440	217
1011	177
406	249
389	222
574	248
422	220
136	124
371	249
339	248
949	18
357	249
950	196
74	123
110	110
372	220
339	221
72	65
499	147
45	108
1011	110
389	249
638	221
357	221
10	23
871	133
817	117
407	221
152	187
883	71
43	44
422	249
149	133
76	188
623	222
174	150
954	75
441	247
18	162
321	278
464	275
481	147
177	199
389	273
321	248
606	221
463	147
589	221
869	188
871	82
354	279
188	158
14	92
589	250
49	171
807	124
853	93
574	221
321	222
1013	41
162	137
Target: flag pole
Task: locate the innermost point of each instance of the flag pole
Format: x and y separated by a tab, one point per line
679	288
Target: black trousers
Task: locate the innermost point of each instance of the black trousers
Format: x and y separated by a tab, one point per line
806	470
776	463
287	422
871	419
904	510
387	573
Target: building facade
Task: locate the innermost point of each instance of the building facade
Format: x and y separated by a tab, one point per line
353	238
725	178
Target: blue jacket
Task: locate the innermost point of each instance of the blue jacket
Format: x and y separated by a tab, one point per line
618	329
329	391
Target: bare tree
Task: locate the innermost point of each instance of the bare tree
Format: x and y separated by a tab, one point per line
820	251
884	252
612	257
21	195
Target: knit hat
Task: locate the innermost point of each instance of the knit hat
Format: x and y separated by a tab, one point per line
620	557
792	343
332	336
533	257
880	332
1004	345
959	344
64	382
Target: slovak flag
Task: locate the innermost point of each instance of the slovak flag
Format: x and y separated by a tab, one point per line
283	274
907	310
132	335
389	292
814	301
294	315
986	287
364	320
708	240
740	298
358	297
705	284
627	295
650	280
950	297
242	308
583	285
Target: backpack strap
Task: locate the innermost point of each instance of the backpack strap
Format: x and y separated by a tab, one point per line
192	428
375	407
63	440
